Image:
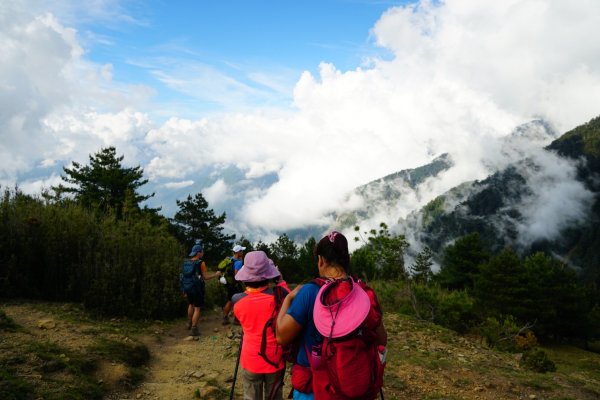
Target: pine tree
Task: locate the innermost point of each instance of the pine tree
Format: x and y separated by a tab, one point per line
421	269
195	221
461	262
104	184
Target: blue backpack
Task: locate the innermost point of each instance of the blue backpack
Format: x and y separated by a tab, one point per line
189	279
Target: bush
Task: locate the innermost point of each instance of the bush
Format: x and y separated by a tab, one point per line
450	309
500	334
6	323
537	360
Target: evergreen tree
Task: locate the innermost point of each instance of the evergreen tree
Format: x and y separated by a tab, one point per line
500	288
306	265
421	269
461	262
383	252
195	221
555	298
284	252
104	184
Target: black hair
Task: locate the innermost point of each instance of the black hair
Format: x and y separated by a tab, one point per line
258	284
334	249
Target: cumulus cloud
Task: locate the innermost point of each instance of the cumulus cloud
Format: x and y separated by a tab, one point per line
459	76
216	193
56	105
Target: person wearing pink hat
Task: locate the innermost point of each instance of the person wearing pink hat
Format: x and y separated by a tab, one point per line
262	364
308	312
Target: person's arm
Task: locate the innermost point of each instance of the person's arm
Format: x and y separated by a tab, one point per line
287	327
206	275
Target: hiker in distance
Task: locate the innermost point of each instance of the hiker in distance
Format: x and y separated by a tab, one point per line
261	359
193	276
229	268
332	316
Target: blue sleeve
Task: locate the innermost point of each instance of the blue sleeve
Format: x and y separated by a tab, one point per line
237	265
301	310
302	305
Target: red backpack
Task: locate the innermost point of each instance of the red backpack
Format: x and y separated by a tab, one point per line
349	366
279	294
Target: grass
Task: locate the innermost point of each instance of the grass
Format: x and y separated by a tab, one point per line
34	368
6	323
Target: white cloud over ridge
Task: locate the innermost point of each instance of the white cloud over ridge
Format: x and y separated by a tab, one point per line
461	74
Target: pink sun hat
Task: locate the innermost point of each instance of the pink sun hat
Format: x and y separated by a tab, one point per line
341	316
257	267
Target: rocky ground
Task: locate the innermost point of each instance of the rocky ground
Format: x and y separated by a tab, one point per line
424	361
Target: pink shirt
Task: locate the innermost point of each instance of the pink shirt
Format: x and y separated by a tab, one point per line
253	311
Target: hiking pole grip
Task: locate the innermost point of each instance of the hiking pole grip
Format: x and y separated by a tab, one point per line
237	364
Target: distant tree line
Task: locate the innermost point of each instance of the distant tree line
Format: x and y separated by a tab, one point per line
90	240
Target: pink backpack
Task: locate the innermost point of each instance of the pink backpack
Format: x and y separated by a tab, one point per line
348	364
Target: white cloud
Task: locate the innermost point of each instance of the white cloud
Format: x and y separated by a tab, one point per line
216	193
460	75
178	185
557	200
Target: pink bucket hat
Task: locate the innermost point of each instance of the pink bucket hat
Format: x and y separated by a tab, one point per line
339	318
257	267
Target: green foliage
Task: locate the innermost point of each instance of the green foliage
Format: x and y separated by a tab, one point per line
382	254
195	221
537	360
500	332
501	285
421	269
13	387
66	252
104	184
69	373
450	309
362	263
461	262
130	352
538	290
284	252
6	323
554	297
433	210
306	264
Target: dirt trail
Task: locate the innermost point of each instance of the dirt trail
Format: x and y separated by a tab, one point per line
180	368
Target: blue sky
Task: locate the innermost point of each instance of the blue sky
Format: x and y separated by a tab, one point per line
277	110
261	45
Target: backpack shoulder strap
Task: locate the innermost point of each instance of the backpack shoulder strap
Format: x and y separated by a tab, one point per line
278	294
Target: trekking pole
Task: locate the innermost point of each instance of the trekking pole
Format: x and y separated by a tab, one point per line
237	364
381	393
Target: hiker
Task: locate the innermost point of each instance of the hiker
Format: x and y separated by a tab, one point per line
309	315
261	357
193	276
232	286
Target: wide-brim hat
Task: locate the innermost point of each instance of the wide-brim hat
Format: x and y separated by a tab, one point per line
257	267
340	317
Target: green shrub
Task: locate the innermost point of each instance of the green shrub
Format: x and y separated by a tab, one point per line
537	360
450	309
6	323
500	334
14	388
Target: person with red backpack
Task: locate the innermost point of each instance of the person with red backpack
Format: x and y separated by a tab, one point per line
261	358
337	323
